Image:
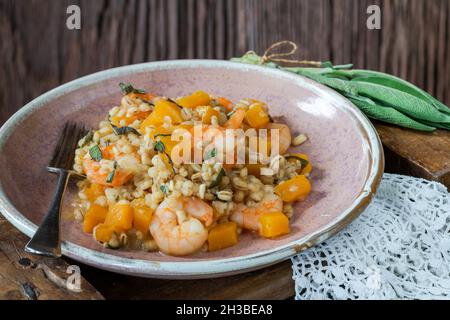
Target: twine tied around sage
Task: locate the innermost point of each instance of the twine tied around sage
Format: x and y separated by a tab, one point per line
270	55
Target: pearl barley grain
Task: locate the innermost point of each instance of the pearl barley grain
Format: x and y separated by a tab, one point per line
298	140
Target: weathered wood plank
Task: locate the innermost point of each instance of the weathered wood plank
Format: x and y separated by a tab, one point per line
419	154
38	52
26	277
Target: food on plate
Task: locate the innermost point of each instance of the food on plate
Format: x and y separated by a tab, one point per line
186	174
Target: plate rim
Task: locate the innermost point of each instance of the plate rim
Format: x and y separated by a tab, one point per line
201	268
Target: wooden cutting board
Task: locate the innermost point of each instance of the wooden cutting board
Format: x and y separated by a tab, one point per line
425	155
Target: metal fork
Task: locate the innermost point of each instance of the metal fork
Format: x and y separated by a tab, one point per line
46	241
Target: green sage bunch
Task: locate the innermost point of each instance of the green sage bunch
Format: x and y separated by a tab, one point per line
379	95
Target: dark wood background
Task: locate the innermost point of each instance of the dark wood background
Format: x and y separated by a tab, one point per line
38	52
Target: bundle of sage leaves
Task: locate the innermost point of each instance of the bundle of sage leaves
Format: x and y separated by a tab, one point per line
379	95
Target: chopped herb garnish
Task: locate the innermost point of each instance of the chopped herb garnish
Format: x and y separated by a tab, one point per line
230	114
159	146
211	154
95	153
88	138
304	162
218	178
128	88
162	135
124	130
110	176
164	189
174	102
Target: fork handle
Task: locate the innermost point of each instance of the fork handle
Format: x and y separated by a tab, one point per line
46	241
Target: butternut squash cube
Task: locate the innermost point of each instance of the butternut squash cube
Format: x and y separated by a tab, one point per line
209	113
273	224
94	191
198	98
257	117
120	216
223	236
103	232
163	108
308	167
295	189
142	218
95	215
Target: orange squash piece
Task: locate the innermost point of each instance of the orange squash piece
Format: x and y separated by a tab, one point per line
142	218
308	167
223	236
209	113
95	215
257	117
103	232
295	189
273	224
198	98
94	191
120	216
163	108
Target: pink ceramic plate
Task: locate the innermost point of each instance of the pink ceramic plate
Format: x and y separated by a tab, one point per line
343	146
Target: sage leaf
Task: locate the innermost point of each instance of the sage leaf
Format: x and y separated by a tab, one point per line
445	126
218	178
388	82
304	162
328	64
128	88
393	80
162	135
164	189
390	115
110	177
159	146
124	130
210	154
95	153
174	102
402	101
335	83
87	139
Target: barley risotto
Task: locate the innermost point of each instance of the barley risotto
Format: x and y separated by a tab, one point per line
179	175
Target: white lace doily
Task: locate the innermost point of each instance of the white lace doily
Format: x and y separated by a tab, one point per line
399	248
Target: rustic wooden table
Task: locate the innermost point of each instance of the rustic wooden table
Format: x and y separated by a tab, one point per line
409	152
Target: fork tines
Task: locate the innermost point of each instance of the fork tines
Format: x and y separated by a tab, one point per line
64	153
